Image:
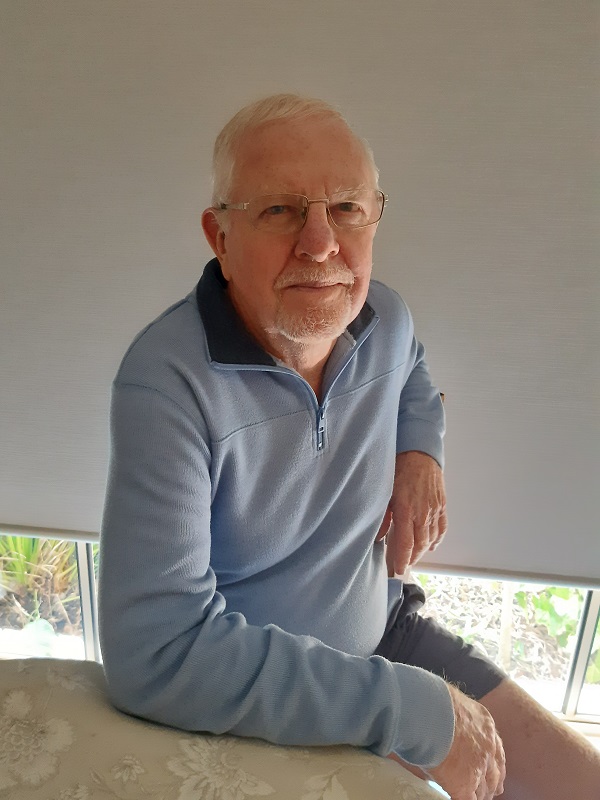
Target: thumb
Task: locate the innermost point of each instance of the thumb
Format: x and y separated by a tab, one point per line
386	523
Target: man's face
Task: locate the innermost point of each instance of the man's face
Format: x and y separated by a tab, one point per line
303	287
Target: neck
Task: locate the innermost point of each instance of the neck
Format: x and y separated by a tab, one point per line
308	360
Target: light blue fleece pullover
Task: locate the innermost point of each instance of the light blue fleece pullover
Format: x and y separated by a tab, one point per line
240	586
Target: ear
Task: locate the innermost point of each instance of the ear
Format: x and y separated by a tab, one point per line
215	235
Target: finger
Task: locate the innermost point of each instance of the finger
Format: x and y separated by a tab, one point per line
487	791
492	779
442	527
424	536
501	762
496	770
385	526
480	786
437	540
442	524
402	544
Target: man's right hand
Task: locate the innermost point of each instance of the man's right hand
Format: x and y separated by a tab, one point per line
475	768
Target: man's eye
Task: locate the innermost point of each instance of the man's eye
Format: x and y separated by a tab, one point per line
348	207
276	211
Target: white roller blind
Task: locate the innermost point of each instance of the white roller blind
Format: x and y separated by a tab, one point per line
484	122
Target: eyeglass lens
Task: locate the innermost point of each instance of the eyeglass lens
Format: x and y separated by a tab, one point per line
287	212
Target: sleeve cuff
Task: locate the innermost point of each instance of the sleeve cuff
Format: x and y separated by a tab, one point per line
427	718
424	437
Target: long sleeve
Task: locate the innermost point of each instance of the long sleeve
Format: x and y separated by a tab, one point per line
172	650
421	420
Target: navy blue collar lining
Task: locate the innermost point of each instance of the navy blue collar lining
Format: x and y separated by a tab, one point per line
228	340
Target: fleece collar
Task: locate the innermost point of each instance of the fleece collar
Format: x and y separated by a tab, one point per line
228	340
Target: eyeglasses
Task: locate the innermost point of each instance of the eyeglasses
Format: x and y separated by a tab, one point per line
287	213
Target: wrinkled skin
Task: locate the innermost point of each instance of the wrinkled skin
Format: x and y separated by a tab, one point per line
475	767
415	521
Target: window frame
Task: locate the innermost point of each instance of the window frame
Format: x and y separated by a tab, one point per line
586	631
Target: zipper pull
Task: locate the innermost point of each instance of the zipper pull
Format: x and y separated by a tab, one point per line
320	428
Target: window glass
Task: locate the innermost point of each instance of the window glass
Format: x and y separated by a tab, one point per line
96	556
589	699
40	610
528	629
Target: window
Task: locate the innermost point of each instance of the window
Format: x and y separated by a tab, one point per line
546	637
534	631
47	598
589	699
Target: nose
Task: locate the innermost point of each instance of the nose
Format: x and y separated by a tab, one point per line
318	238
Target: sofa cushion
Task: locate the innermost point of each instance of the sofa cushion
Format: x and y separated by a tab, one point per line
60	739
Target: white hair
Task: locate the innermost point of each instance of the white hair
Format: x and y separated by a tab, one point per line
253	116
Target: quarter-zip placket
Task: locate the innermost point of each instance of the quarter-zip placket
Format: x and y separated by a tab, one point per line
320	427
230	346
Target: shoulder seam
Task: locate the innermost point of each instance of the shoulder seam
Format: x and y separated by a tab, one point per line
128	385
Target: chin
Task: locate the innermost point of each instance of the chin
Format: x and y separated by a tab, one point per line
315	326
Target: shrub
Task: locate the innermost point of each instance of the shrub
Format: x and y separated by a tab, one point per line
39	579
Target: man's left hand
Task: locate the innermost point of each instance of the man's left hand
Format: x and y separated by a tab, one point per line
415	520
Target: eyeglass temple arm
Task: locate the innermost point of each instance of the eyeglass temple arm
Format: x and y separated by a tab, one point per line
234	206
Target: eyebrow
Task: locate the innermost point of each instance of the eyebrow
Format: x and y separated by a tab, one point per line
339	188
358	188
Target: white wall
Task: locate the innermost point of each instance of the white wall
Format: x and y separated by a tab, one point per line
483	118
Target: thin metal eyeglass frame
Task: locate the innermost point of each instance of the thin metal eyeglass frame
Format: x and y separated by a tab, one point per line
326	200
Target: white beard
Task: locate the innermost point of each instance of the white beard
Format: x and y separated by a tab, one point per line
323	321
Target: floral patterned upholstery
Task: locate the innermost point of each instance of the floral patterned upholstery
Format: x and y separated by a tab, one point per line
60	739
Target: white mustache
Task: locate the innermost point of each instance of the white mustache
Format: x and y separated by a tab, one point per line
322	274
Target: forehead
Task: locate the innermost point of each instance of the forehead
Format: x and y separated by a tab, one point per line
307	156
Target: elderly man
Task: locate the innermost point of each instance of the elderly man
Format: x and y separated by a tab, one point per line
270	432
